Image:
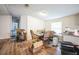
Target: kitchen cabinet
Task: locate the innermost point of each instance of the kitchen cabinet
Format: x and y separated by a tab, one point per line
70	38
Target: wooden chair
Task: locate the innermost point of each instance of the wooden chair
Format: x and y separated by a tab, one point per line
21	35
37	44
48	34
34	36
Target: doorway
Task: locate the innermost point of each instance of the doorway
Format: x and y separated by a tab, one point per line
15	25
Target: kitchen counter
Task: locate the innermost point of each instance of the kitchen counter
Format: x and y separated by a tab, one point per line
71	38
70	35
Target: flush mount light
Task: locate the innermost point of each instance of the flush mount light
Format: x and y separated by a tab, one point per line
43	13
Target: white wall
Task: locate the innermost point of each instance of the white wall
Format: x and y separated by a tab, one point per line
34	24
49	22
68	21
5	26
47	25
28	23
23	22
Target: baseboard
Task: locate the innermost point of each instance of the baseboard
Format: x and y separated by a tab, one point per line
4	38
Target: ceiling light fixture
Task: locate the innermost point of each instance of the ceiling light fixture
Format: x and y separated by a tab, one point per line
43	13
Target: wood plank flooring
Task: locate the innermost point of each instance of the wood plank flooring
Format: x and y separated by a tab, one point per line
22	48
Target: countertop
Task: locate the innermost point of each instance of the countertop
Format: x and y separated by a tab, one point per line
70	35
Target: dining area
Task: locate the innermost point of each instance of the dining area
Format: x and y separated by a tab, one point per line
48	36
40	44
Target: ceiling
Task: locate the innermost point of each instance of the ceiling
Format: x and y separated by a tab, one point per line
53	10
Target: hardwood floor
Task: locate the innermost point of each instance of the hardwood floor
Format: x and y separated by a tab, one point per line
22	48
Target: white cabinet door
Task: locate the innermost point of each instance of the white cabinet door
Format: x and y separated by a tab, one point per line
74	40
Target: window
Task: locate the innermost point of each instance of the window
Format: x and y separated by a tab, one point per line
57	27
